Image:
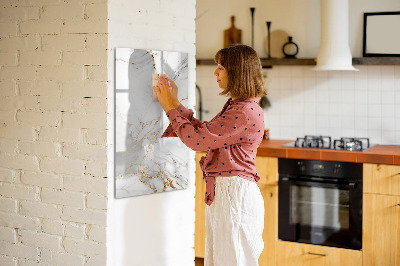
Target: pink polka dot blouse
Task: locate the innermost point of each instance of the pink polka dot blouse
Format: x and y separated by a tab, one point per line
231	139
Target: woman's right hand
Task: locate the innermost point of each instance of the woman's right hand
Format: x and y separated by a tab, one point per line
174	89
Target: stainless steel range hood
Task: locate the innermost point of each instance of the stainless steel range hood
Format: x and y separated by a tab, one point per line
334	51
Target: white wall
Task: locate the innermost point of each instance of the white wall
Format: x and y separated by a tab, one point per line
338	104
154	229
298	18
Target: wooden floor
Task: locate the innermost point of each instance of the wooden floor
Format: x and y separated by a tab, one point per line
199	262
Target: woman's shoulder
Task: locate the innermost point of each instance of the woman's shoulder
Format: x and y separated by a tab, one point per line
248	109
248	104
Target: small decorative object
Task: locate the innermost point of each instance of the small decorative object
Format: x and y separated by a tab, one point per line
290	49
232	35
269	38
252	9
264	102
266	134
381	36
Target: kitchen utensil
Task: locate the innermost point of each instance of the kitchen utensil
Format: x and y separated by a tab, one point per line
232	35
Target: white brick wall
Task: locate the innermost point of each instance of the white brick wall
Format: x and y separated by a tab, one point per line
54	76
53	109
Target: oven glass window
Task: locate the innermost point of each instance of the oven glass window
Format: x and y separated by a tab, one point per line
318	207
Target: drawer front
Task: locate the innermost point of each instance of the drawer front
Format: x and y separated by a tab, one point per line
267	168
381	179
294	254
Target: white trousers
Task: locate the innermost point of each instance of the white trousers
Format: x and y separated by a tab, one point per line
234	223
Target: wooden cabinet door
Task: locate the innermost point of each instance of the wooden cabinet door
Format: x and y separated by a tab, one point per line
270	233
381	230
267	168
200	207
381	179
298	254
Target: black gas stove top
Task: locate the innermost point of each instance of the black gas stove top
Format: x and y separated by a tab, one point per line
325	142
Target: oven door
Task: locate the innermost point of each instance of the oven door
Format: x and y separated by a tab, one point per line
321	212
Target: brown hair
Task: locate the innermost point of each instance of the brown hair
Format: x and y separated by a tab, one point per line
245	78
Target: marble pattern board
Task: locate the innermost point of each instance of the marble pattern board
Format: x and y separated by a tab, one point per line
145	163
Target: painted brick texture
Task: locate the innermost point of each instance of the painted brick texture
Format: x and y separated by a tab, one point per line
53	111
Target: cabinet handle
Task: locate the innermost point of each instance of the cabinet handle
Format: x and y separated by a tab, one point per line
398	204
318	254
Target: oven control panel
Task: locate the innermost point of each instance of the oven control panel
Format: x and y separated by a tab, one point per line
331	169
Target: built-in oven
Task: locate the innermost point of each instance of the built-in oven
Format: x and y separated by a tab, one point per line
320	202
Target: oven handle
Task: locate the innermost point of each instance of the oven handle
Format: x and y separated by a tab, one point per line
297	181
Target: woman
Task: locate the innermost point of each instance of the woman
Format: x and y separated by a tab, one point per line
235	207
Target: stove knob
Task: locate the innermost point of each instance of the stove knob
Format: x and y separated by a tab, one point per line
301	166
336	169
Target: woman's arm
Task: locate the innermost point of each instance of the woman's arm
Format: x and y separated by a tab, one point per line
228	129
187	113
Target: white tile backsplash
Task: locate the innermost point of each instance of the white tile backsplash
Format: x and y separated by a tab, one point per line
348	96
387	124
397	123
388	111
347	110
388	83
361	124
361	110
374	110
387	71
374	83
374	97
322	95
397	72
364	103
388	97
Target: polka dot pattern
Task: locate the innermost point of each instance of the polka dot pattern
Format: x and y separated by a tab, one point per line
231	139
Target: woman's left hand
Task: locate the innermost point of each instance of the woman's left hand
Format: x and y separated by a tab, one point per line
163	92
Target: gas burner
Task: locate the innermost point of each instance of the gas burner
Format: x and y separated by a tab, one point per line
324	142
321	142
351	144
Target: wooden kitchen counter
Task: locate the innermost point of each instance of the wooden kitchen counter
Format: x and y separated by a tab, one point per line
379	154
381	200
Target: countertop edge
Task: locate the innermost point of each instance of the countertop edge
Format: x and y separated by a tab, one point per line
379	154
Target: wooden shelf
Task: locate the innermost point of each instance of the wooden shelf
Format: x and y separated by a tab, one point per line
267	63
312	61
376	61
288	62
